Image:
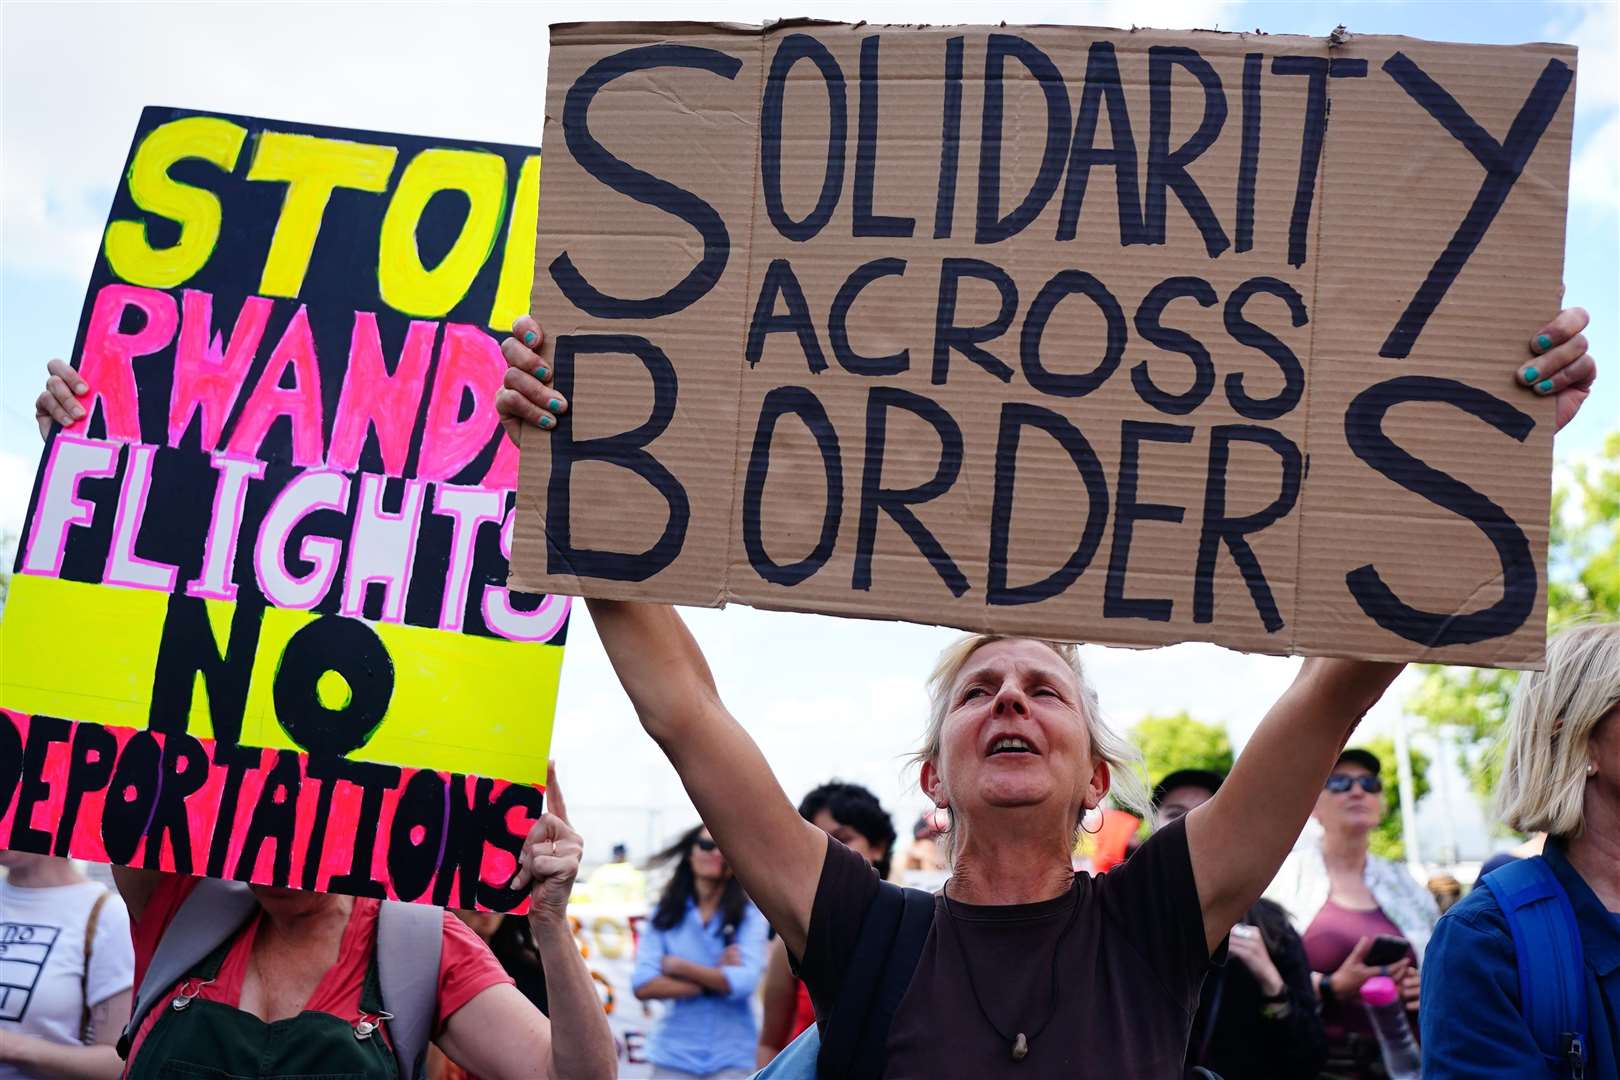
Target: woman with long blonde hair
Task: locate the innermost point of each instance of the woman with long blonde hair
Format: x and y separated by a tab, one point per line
1561	776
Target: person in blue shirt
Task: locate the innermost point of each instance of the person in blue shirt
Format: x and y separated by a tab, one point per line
1561	774
702	951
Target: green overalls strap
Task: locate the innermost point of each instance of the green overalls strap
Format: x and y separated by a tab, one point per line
197	1038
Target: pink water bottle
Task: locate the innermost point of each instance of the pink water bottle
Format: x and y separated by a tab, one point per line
1382	1000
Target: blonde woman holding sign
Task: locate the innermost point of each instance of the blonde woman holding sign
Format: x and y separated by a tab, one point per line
1019	967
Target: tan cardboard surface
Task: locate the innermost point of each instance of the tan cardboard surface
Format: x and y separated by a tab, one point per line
778	223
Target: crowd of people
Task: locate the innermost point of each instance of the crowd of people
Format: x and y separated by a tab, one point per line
1239	938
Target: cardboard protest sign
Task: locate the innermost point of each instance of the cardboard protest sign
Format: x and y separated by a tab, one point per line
259	626
1129	337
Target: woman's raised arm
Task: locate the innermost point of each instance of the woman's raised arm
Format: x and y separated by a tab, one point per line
775	853
1240	837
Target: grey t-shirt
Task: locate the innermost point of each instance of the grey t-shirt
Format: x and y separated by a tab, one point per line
1128	974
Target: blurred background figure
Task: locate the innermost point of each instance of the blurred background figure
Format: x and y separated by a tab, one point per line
68	967
1446	890
926	864
1527	850
1343	899
703	951
618	881
1257	1015
852	815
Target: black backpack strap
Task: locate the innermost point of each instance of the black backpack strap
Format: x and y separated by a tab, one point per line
207	919
880	969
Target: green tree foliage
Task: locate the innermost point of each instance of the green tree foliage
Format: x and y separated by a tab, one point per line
1584	582
1387	839
1178	741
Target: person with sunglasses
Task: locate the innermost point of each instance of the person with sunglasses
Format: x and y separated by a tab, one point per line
1342	898
703	951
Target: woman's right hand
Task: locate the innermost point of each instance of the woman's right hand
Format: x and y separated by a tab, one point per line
58	402
1348	980
526	396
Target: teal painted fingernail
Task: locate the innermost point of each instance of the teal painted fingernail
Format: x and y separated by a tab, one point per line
1530	375
555	405
531	337
1543	342
540	372
1544	386
546	420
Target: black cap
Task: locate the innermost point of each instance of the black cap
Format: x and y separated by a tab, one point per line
1365	758
1207	779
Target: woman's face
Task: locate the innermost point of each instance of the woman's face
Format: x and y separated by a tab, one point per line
848	835
1353	810
1015	735
707	862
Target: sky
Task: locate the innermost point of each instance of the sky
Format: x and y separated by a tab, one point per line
824	697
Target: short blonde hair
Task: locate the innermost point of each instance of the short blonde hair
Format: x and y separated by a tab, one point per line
1550	727
1126	787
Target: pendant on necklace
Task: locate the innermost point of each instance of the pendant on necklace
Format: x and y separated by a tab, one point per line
1020	1047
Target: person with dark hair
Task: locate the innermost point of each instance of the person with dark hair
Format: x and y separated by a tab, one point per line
1257	1014
852	815
702	951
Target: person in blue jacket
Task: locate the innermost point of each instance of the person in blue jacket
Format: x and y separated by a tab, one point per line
703	951
1561	774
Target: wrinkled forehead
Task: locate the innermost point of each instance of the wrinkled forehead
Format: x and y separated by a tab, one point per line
1024	656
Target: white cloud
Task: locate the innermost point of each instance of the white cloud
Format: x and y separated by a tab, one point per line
1594	173
1593	27
16	482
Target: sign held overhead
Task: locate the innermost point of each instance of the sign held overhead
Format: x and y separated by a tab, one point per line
1129	337
279	535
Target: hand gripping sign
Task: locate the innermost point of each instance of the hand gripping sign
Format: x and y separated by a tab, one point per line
1129	337
259	626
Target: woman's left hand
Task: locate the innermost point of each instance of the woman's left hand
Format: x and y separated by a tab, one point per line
1248	946
1560	366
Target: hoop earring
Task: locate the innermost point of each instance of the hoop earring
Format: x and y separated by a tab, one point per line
1090	832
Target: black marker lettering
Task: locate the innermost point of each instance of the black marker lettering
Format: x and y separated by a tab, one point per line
1177	341
1364	431
641	186
1219	528
627	451
780	281
805	405
1503	162
1167	169
796	47
1127	512
838	321
897	502
968	340
1067	283
1103	86
991	227
1015	416
866	143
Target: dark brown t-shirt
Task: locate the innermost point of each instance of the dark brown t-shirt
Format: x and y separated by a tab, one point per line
1128	974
